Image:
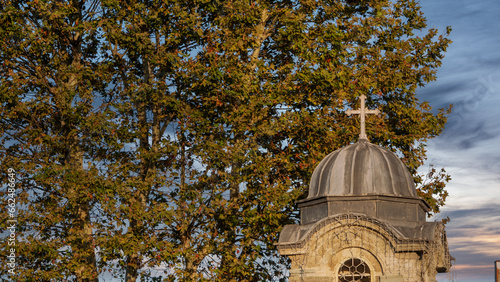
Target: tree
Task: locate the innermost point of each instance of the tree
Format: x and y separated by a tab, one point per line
179	135
51	79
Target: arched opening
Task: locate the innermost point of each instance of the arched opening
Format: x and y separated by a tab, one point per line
354	269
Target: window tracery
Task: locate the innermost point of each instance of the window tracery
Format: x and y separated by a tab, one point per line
354	269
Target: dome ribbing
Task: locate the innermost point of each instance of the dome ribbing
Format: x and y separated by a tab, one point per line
362	169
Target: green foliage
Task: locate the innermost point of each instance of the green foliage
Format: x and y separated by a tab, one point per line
179	134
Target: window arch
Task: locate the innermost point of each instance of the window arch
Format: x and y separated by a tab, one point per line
354	269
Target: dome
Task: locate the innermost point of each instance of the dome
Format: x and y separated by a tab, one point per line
362	169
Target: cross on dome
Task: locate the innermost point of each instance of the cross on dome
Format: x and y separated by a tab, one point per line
362	112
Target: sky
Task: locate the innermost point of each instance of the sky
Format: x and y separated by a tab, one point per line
469	148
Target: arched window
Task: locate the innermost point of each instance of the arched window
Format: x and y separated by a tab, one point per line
354	269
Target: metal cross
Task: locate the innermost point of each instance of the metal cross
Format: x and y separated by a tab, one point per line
362	112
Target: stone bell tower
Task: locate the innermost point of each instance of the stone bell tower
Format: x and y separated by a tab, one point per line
363	221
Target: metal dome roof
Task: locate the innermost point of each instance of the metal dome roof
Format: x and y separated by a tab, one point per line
362	169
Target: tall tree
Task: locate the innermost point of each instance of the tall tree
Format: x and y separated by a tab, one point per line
279	76
149	44
172	138
51	84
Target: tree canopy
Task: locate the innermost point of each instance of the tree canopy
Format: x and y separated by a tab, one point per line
171	139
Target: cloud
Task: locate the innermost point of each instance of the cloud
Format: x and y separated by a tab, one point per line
475	134
470	76
468	272
472	266
474	241
478	214
439	93
477	241
473	160
469	147
474	115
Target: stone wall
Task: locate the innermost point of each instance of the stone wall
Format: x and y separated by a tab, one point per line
321	252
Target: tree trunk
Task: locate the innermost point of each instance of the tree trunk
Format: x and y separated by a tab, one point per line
83	246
